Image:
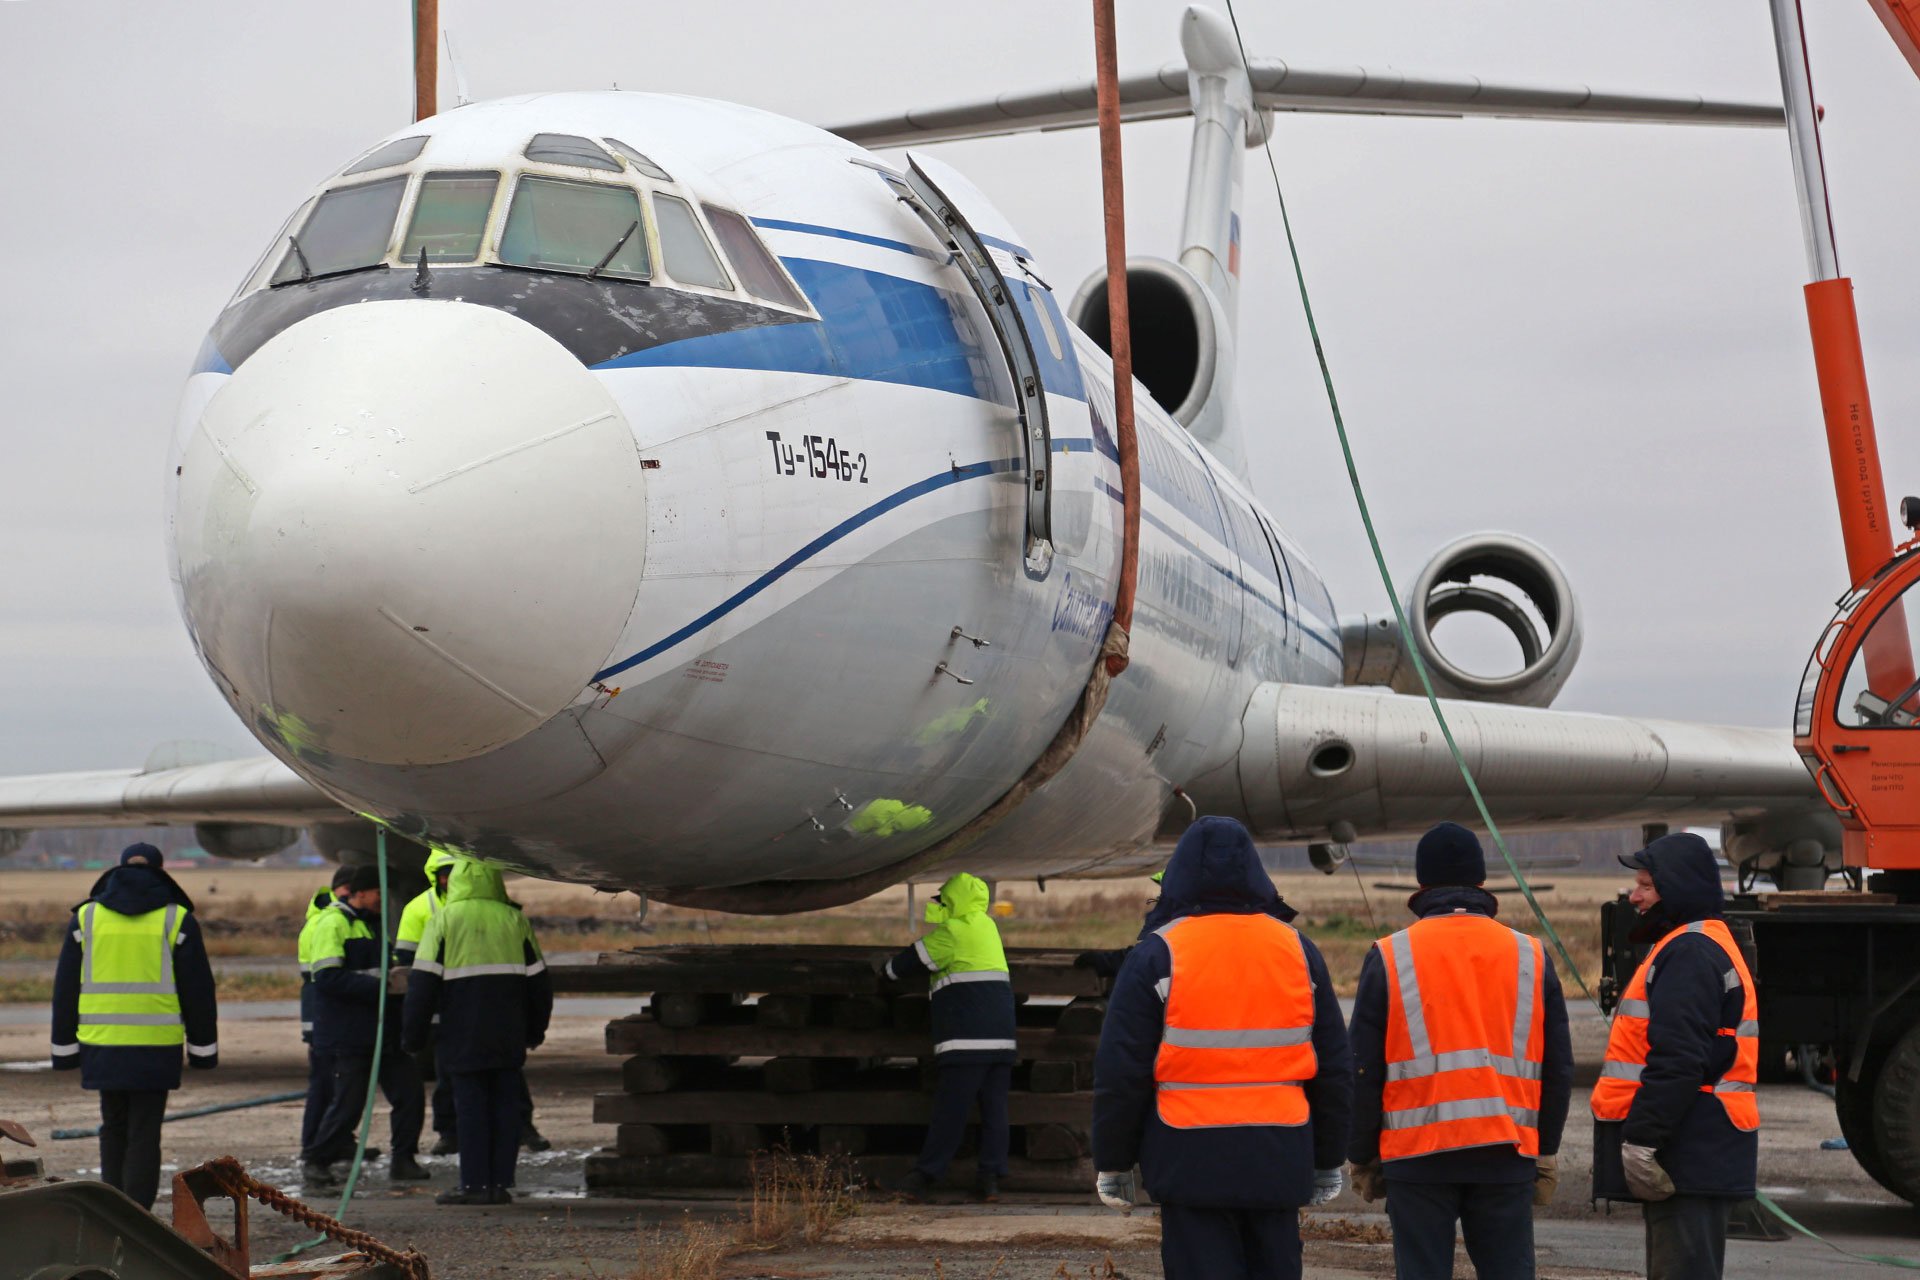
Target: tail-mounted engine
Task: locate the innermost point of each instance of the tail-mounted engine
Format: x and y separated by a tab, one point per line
1182	345
1497	575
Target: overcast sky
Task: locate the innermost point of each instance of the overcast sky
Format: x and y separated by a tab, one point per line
1589	334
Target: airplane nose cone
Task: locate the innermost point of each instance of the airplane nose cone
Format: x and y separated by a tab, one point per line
408	532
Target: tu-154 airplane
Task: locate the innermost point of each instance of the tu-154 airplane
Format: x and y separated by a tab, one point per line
658	493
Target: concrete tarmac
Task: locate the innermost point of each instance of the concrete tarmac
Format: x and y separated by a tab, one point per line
554	1230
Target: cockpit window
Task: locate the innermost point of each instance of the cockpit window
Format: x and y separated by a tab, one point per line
565	148
639	161
683	245
349	228
582	228
450	217
760	275
399	151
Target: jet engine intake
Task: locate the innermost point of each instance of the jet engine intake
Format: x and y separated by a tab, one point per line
1181	338
1499	576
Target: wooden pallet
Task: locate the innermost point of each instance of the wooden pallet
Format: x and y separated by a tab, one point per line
745	1048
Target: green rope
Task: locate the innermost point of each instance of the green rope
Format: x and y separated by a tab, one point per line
1380	561
1884	1259
373	1076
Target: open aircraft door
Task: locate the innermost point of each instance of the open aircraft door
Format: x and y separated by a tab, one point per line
988	261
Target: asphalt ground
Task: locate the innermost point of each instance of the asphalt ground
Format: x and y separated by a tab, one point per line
555	1230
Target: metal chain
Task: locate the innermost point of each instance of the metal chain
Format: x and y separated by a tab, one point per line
236	1181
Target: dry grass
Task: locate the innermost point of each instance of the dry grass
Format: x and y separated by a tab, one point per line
793	1196
228	984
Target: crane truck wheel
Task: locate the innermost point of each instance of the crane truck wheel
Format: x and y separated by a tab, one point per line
1896	1118
1853	1107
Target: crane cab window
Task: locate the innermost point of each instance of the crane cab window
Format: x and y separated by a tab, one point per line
348	230
760	274
399	151
684	249
581	228
639	161
565	148
1882	689
449	217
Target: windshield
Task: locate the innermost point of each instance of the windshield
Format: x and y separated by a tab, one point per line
759	273
349	229
450	217
683	245
556	225
398	151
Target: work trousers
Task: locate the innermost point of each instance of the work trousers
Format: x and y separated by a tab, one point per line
445	1118
352	1077
955	1090
319	1094
1495	1217
487	1104
1229	1244
1687	1237
130	1141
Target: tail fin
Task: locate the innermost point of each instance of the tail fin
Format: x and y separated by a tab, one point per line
1221	97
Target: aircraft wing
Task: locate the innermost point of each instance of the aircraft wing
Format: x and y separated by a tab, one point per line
1312	758
258	789
1280	86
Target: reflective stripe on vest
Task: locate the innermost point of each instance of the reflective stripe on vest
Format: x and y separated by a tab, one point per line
1627	1046
127	997
1466	1037
1237	1044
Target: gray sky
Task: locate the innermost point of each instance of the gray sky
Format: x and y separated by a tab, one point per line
1589	334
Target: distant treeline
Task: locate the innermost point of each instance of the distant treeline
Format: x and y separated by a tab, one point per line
102	845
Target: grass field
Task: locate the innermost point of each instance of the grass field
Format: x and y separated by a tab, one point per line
252	912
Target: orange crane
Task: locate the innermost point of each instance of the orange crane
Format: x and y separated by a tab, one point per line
1859	690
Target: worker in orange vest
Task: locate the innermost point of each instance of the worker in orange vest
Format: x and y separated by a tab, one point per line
1676	1122
1222	1069
1463	1072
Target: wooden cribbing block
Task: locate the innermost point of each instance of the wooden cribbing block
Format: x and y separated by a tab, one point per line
641	1140
1050	1142
878	1106
737	1139
843	1139
784	1011
646	1036
859	1013
1047	1076
690	1008
1081	1017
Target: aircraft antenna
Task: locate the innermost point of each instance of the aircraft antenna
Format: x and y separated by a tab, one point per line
1112	191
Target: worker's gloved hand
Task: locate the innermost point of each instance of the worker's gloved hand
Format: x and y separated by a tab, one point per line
1645	1178
1546	1176
204	1057
1087	960
397	980
1116	1190
878	963
1370	1181
66	1062
1327	1183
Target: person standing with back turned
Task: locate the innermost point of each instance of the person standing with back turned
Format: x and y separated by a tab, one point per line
479	968
1676	1122
1463	1070
131	987
1223	1070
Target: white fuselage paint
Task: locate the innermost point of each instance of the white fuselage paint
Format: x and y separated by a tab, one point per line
780	711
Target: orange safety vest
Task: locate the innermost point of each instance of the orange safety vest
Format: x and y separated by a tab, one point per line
1237	1044
1466	1036
1627	1041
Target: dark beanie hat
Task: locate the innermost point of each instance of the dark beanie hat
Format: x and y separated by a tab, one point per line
364	878
1449	854
142	854
342	876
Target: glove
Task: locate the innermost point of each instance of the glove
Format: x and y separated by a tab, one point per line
1546	1176
1087	960
1327	1183
397	980
1370	1181
66	1062
1116	1190
1645	1178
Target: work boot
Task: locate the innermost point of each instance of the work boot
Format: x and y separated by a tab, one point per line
461	1195
445	1145
914	1187
531	1138
987	1189
406	1169
499	1195
317	1173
